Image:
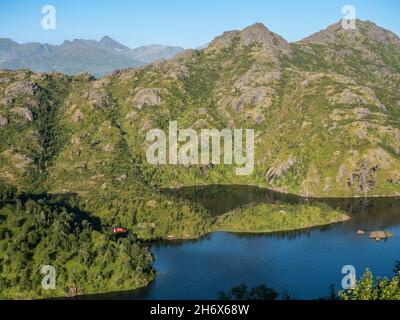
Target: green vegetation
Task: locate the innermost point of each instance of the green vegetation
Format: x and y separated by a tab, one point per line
242	292
374	288
277	217
87	258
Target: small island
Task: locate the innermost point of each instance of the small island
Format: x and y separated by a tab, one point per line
380	235
265	218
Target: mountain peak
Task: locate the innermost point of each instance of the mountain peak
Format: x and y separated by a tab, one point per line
106	39
255	33
335	33
257	27
113	44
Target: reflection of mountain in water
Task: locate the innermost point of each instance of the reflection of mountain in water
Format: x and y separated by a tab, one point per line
366	213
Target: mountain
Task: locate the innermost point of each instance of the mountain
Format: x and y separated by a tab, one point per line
73	57
325	111
326	116
112	44
154	52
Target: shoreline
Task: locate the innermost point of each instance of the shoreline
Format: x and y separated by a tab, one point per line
286	193
160	241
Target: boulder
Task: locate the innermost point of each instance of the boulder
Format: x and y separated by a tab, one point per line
99	99
78	115
72	292
3	121
24	112
7	101
275	172
349	97
108	148
122	178
22	88
147	98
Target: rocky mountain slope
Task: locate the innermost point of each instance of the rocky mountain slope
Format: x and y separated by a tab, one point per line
325	111
73	57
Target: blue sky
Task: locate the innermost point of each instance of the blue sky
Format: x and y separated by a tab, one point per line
189	23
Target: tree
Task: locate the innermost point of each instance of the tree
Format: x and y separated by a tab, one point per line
368	288
242	292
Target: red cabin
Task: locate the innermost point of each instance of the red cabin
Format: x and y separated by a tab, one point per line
119	230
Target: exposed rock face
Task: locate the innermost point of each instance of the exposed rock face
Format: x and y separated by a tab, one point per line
396	146
22	88
201	124
256	97
122	178
329	35
108	148
257	76
77	116
182	55
24	112
224	40
256	33
341	173
259	118
3	121
361	133
7	101
100	99
277	171
371	43
22	160
147	98
363	177
72	292
363	28
348	97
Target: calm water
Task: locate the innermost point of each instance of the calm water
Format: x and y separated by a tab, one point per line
303	264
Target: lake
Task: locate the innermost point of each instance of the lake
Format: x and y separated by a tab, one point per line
301	263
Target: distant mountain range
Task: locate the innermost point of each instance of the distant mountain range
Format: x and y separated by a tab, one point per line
73	57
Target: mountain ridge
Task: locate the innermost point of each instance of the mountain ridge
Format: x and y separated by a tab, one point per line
79	55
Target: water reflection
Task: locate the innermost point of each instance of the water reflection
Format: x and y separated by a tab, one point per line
219	199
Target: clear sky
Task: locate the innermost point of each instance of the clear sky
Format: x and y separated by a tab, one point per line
187	23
